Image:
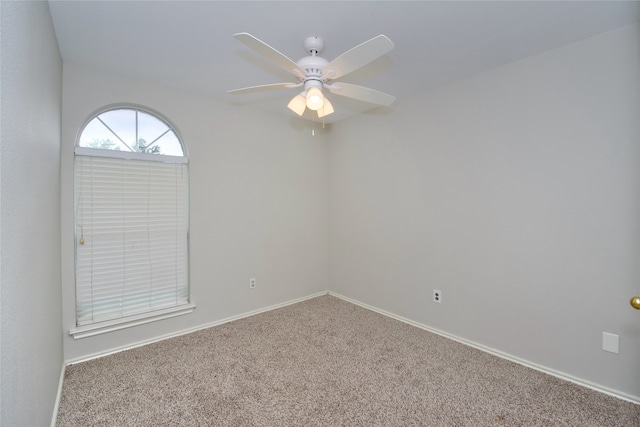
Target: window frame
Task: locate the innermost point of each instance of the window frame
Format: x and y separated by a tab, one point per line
95	328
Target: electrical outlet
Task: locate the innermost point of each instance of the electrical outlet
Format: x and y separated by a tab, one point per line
252	283
437	296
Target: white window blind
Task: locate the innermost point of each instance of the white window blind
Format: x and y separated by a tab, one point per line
131	237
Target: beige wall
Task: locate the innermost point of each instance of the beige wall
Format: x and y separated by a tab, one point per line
31	96
515	193
259	203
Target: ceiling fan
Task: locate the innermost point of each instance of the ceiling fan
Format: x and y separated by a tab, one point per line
314	73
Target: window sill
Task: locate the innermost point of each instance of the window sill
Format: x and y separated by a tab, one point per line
115	325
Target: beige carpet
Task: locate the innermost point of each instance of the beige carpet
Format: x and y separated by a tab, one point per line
324	362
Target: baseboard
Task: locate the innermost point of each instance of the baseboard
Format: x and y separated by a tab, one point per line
56	405
564	376
498	353
190	330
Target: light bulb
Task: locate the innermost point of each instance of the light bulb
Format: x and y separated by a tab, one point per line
315	100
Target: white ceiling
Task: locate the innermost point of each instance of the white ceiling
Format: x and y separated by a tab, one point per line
189	45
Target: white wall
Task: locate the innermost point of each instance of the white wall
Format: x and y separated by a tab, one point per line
259	204
31	96
515	192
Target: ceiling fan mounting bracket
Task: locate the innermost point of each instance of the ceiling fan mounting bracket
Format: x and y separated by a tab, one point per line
314	45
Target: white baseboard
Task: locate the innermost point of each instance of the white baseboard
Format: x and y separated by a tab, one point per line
528	364
190	330
56	405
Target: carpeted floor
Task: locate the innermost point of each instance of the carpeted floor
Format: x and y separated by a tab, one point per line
324	362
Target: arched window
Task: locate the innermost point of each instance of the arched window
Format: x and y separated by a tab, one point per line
132	221
131	130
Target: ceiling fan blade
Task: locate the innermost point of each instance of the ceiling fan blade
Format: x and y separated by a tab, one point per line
268	52
263	88
358	56
361	93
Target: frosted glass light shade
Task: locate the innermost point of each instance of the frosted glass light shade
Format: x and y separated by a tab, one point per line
326	109
315	100
298	104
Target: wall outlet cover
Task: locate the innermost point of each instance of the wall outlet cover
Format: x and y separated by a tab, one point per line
611	342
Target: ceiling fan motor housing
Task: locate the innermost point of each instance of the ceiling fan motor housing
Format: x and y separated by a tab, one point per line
312	65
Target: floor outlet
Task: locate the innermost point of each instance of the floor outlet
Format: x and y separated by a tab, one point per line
252	283
437	296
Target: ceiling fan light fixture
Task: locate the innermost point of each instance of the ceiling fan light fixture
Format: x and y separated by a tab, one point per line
298	104
326	109
315	99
